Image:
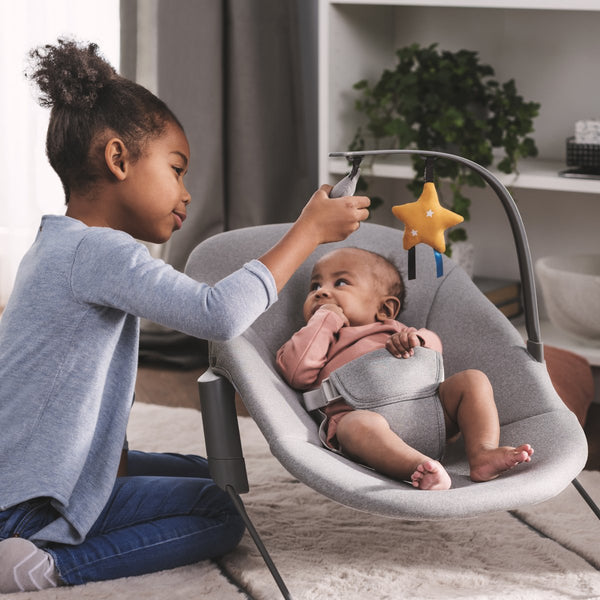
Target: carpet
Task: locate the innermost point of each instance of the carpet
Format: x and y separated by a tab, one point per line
324	550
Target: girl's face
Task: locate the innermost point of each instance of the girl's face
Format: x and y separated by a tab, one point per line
153	200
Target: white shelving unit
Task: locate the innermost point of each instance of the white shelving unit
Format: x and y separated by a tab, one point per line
550	48
533	174
525	4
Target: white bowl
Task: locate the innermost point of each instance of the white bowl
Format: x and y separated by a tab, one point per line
571	290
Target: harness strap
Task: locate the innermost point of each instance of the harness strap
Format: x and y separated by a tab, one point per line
322	396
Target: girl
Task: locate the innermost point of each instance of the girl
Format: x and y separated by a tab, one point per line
69	337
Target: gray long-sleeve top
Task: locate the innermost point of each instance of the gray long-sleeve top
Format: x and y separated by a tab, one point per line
68	358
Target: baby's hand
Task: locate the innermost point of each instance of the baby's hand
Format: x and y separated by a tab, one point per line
401	344
333	219
337	309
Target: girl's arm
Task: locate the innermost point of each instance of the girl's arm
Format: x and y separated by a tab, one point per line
301	358
112	269
322	220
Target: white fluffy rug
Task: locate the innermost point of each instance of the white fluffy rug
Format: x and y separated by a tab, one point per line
324	550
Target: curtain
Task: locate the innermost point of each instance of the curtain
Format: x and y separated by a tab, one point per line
240	75
30	188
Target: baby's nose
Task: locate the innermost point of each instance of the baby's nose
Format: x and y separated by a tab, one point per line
323	293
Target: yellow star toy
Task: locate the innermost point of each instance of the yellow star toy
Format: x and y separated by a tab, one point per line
426	220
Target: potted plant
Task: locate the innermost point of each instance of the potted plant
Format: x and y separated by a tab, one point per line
446	101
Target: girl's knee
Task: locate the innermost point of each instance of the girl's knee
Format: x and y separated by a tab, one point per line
237	528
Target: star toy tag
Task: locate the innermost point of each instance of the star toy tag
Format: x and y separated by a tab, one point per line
425	222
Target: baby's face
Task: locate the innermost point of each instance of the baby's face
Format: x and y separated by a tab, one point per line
347	279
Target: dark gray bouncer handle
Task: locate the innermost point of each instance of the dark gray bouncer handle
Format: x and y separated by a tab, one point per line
347	185
532	321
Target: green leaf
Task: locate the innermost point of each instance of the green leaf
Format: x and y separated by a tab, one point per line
457	235
442	100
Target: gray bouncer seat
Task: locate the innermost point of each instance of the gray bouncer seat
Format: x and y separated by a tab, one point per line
474	333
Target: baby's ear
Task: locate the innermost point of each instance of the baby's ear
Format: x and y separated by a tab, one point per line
388	308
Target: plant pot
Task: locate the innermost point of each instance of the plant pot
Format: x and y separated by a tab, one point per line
463	253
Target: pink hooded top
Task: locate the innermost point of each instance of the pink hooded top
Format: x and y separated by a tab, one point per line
324	344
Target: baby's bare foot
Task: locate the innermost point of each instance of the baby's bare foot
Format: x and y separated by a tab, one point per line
430	475
490	463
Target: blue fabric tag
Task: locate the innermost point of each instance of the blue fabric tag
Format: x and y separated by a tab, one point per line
439	261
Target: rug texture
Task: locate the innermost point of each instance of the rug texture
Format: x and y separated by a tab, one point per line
324	550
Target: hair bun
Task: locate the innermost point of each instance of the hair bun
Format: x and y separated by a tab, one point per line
69	74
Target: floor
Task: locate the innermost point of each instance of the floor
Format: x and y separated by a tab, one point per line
174	387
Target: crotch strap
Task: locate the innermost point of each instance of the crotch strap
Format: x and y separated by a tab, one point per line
403	390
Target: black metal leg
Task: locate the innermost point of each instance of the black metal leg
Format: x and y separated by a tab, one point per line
586	497
224	453
237	500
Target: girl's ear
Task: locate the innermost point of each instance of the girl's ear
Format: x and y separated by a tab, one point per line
116	158
388	308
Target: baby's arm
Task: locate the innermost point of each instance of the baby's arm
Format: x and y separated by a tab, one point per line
322	220
401	343
302	357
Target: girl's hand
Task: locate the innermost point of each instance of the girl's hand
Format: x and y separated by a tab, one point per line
323	219
332	219
401	344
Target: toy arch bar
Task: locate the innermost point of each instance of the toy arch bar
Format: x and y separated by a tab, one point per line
532	322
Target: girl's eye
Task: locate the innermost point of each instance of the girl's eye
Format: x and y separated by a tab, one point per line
340	282
178	170
314	286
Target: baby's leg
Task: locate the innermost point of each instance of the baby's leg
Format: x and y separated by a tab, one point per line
366	436
468	401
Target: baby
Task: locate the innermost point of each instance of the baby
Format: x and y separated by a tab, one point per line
354	298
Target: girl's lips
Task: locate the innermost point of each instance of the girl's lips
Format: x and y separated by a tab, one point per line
179	219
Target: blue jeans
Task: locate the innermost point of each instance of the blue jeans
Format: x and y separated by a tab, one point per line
166	513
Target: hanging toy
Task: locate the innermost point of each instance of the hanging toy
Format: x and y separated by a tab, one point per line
425	222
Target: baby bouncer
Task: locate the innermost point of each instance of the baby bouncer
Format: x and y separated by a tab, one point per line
475	335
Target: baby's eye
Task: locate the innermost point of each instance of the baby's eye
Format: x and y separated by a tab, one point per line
341	282
314	286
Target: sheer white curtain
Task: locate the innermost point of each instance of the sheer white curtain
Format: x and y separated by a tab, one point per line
29	187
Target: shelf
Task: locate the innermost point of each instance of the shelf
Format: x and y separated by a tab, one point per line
359	39
520	4
530	41
554	337
534	174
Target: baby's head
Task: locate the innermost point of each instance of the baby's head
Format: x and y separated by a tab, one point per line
365	285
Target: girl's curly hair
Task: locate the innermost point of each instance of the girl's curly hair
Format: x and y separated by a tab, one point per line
90	103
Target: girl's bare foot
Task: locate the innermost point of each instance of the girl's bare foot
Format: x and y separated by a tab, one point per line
430	475
490	463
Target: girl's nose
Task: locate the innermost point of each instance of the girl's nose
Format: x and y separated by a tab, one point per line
323	293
